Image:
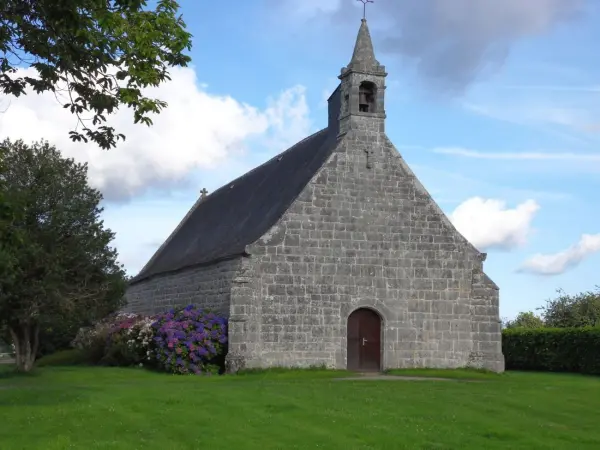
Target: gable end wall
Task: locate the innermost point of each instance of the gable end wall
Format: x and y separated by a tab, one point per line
358	237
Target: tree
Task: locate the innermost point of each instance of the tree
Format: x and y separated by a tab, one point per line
55	255
100	53
9	241
578	310
525	320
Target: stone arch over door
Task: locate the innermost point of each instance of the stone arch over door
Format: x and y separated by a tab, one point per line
364	340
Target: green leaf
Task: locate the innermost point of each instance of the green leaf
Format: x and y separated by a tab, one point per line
56	258
104	53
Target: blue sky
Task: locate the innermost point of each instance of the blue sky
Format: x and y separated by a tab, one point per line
495	106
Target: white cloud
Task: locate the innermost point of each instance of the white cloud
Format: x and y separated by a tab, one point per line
308	8
196	131
568	112
557	263
567	156
549	87
550	112
452	42
488	223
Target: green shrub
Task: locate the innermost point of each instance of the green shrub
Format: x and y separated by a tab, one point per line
56	335
118	340
73	357
552	349
187	340
128	341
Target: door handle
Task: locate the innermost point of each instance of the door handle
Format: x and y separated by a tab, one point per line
364	341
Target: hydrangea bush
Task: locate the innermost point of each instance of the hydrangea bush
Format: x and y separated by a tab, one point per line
92	340
189	341
128	341
112	341
185	341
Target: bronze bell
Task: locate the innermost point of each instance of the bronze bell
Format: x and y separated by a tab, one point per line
362	98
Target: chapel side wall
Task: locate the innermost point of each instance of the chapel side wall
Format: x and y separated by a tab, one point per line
486	327
365	237
206	287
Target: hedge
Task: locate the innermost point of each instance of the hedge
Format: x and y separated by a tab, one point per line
552	349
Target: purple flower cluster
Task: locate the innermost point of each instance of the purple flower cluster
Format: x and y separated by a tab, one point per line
188	340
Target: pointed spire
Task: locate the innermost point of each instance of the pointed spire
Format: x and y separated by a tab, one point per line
363	49
363	58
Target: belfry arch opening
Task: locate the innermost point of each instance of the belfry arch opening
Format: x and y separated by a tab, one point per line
364	341
367	93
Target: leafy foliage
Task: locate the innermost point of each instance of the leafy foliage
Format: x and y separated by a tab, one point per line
128	342
11	236
56	333
525	320
189	340
578	310
553	349
101	342
100	53
71	357
57	256
184	341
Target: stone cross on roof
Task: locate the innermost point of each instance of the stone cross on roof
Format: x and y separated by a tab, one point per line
203	193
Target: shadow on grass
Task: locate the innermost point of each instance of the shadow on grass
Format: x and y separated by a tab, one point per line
285	372
457	374
19	389
9	371
20	395
66	358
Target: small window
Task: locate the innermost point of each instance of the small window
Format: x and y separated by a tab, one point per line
366	97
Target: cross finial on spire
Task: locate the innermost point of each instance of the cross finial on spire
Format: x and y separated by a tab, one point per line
203	193
364	2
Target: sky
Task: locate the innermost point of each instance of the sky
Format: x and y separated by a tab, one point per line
494	105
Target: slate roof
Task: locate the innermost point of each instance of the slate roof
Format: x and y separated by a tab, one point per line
239	213
236	215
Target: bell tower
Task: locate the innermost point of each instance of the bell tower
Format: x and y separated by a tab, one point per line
362	88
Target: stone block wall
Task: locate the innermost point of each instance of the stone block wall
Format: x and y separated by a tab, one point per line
486	326
206	286
369	237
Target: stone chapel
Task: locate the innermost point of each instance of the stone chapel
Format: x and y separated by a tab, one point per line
332	253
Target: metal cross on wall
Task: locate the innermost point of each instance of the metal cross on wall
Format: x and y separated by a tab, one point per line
364	2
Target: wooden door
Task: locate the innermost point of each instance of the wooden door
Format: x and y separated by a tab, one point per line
364	341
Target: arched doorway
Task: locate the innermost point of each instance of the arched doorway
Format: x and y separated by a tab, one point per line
364	340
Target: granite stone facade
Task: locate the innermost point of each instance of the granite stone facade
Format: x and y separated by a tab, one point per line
370	238
205	286
362	233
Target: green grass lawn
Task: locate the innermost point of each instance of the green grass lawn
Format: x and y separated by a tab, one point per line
93	408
